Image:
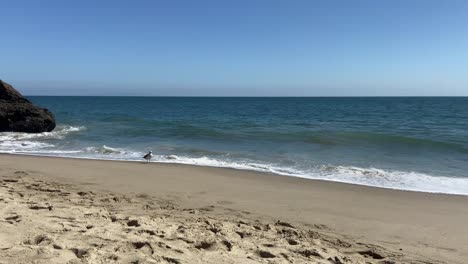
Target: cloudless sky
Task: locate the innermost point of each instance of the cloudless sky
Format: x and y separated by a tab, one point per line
240	48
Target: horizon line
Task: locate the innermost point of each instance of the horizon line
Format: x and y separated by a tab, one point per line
254	96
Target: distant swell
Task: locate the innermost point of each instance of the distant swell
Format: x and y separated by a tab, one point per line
386	139
325	138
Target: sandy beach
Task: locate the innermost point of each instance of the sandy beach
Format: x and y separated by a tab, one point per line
58	210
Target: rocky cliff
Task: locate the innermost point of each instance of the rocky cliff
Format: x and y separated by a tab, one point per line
18	114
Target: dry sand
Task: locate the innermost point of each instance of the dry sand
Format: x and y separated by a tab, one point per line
56	210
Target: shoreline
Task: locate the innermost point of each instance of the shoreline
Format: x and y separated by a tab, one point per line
237	169
415	225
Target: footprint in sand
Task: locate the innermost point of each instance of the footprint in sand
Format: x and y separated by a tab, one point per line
265	254
292	242
40	240
228	245
133	223
10	180
206	245
41	207
143	247
172	260
80	252
309	252
285	224
13	219
371	254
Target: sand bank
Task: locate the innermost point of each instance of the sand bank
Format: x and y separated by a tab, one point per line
57	210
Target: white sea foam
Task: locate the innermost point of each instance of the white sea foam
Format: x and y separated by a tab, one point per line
15	142
58	133
393	179
105	150
24	145
110	153
402	180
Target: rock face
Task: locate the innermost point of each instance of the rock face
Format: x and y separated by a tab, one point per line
18	114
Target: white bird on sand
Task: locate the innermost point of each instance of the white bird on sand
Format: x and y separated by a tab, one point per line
148	156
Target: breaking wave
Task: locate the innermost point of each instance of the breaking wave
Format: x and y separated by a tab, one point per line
58	133
14	142
392	179
57	143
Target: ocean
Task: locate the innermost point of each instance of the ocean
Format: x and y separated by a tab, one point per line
407	143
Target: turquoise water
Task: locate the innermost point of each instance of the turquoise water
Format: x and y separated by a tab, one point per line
404	143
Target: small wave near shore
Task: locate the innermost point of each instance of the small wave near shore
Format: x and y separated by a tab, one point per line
51	144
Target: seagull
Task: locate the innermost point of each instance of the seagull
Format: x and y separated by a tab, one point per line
148	156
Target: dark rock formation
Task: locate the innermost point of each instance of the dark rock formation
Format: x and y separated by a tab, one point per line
18	114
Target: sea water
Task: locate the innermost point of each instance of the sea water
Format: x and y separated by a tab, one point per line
409	143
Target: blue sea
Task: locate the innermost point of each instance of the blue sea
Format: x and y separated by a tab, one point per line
413	143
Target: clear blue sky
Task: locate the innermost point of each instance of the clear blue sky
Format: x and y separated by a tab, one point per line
258	48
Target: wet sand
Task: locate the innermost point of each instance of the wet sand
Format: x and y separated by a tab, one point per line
57	210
